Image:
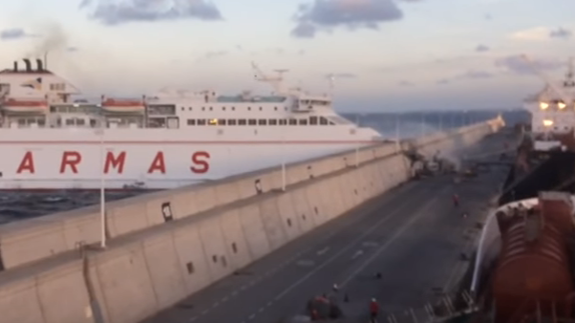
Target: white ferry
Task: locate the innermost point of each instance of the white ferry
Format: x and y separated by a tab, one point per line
173	138
553	115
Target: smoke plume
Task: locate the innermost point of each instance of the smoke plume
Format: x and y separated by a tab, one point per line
53	39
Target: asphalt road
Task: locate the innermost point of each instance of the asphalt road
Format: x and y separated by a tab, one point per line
413	236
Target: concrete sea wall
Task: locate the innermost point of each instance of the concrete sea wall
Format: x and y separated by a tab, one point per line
167	245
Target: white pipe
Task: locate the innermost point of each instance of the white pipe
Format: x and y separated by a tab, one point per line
283	152
102	189
397	132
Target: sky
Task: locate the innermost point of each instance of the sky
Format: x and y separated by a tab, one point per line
385	55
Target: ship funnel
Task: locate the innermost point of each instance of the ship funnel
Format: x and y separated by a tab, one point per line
28	65
40	67
15	66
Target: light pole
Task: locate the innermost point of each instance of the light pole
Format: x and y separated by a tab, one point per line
440	121
102	181
397	132
422	124
357	144
283	154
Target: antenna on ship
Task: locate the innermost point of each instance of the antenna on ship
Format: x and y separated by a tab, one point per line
46	60
569	81
275	82
331	80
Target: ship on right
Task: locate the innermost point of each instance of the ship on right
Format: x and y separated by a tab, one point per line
524	266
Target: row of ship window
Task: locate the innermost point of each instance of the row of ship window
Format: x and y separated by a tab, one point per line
312	121
232	108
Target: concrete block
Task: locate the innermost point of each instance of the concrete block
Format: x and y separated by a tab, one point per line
164	268
343	194
94	278
254	231
349	190
326	166
214	247
19	302
258	184
205	198
368	176
27	241
84	228
235	239
183	203
126	284
365	155
303	209
63	295
126	217
193	258
155	208
227	193
289	216
316	202
333	197
298	173
349	159
272	221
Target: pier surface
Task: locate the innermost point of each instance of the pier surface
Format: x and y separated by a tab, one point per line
413	236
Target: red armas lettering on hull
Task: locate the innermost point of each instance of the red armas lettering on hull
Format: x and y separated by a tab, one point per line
27	164
200	162
72	159
116	162
158	164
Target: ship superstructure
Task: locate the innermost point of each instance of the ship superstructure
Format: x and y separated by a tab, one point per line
553	115
49	140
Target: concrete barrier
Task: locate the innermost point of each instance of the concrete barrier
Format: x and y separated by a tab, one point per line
148	267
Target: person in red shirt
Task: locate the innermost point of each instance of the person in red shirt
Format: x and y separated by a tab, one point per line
373	310
455	200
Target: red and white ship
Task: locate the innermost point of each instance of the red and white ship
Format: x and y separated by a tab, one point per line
171	139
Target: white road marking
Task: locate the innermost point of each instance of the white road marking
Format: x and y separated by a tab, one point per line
398	233
357	254
342	251
322	251
360	217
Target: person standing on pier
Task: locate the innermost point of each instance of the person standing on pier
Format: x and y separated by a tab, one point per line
373	310
455	200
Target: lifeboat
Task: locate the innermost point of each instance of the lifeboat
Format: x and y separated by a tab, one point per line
13	105
114	105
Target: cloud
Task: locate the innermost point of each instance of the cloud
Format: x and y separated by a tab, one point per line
561	33
215	54
481	48
405	83
15	34
112	13
326	15
469	75
341	75
516	64
541	34
475	75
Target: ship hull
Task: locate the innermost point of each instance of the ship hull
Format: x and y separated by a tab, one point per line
154	158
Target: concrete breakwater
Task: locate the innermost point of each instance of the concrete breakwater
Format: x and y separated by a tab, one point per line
170	244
